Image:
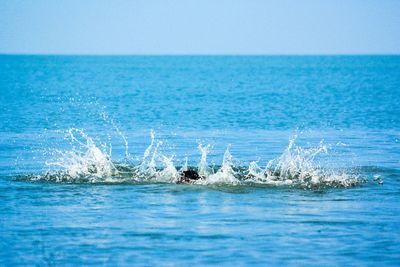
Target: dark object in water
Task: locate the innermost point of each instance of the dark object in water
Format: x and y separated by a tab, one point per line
189	176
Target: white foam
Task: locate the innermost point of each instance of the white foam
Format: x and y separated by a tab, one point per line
85	158
226	174
296	166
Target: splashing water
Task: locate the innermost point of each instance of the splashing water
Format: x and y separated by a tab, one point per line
85	159
203	168
297	166
226	174
108	119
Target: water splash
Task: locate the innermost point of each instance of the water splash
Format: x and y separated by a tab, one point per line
84	159
297	166
203	169
226	174
108	119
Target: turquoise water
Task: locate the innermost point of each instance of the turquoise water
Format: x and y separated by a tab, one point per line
299	159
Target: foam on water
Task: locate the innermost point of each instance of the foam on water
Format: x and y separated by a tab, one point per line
88	162
226	174
85	159
297	166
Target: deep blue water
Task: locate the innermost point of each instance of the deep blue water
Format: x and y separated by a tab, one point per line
66	201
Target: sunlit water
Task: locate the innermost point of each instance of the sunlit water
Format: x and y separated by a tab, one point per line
298	156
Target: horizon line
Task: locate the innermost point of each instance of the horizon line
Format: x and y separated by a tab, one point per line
194	54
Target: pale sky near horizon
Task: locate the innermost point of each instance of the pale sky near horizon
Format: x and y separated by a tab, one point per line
200	27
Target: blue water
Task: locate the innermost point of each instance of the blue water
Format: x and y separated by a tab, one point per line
76	186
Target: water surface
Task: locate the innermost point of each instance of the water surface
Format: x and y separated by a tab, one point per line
319	136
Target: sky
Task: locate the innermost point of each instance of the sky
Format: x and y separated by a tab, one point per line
200	27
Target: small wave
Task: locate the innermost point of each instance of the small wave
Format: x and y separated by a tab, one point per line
88	163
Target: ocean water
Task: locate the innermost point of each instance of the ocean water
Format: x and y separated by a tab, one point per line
299	158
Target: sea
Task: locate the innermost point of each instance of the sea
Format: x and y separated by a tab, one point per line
298	160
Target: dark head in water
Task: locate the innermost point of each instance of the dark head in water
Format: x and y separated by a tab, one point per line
189	176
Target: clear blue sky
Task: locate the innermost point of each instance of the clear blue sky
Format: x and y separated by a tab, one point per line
200	27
